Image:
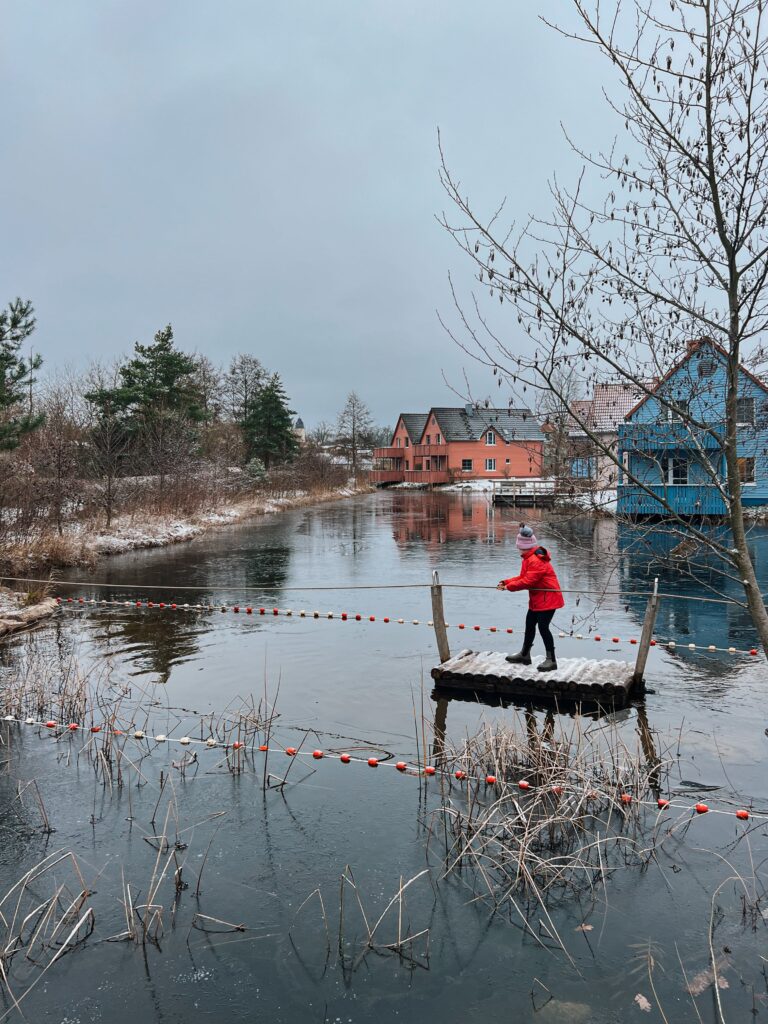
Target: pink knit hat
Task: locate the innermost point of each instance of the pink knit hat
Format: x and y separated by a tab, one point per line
526	538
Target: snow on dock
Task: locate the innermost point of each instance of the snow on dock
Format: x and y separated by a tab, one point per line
575	678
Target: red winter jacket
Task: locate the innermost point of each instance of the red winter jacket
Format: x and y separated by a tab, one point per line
539	578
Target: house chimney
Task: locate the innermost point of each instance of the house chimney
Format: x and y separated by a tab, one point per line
469	410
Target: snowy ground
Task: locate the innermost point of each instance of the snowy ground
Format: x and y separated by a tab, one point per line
84	542
482	486
594	501
132	533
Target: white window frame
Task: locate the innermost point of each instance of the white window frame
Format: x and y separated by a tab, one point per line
490	437
466	469
438	439
490	465
668	478
745	423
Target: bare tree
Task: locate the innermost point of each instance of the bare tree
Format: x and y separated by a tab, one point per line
321	434
353	431
108	440
241	385
675	249
555	412
58	448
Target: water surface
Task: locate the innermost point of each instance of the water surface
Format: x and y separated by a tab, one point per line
364	684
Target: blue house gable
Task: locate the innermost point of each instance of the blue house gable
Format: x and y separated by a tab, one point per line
677	453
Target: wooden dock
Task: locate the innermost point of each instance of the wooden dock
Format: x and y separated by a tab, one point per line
576	679
524	493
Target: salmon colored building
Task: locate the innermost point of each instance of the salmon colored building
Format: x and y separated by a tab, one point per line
448	445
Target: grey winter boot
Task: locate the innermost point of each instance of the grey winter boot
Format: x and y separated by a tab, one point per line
523	657
549	664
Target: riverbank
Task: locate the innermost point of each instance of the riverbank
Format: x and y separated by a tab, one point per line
16	615
83	543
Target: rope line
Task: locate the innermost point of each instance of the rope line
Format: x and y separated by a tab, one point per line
414	769
73	604
271	585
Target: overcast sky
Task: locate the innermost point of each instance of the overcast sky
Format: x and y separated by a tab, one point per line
264	176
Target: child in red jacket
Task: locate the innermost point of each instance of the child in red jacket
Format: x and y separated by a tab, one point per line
544	598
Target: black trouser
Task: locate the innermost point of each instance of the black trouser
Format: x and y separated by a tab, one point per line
542	620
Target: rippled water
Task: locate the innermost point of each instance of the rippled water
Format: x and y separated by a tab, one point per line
364	684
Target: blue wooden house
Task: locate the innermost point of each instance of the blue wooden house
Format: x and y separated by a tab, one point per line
683	465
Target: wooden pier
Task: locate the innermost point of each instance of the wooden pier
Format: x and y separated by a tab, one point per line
524	493
576	679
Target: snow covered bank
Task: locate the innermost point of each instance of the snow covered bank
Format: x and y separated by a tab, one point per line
83	543
132	533
15	615
604	502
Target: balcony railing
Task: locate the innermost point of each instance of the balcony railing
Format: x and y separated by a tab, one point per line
652	437
390	453
430	449
682	499
426	476
386	476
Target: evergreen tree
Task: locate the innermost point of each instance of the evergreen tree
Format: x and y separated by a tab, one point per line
268	426
159	381
157	403
17	322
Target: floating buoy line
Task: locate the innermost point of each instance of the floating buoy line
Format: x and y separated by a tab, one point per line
407	768
74	603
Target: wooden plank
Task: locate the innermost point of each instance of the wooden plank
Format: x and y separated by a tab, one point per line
647	634
489	672
438	619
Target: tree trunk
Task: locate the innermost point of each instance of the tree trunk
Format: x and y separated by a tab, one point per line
742	558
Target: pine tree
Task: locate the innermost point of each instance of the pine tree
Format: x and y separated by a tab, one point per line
157	403
268	426
17	322
159	381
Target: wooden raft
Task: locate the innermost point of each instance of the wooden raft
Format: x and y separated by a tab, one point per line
574	679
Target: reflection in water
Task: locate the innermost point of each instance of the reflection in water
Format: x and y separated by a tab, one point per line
430	519
358	679
151	642
266	564
537	736
646	555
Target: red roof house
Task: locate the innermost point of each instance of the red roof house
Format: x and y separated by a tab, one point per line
447	445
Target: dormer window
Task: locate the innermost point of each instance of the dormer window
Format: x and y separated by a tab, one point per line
490	437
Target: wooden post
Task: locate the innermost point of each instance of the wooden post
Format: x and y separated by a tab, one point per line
438	619
647	635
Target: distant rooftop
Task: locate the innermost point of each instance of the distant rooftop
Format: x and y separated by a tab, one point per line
610	403
469	423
